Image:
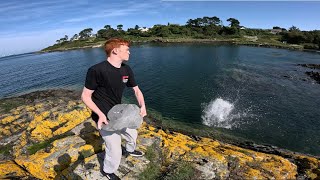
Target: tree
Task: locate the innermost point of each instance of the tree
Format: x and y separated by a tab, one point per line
276	27
74	37
86	33
234	22
136	27
216	21
294	29
107	27
102	33
119	27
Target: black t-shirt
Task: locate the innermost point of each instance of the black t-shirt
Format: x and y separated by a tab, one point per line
108	83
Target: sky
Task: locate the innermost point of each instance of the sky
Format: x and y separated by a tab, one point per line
31	25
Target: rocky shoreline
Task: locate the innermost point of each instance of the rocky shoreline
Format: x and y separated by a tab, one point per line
312	74
49	135
229	41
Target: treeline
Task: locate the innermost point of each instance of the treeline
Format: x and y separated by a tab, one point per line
202	28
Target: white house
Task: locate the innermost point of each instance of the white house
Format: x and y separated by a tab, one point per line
143	29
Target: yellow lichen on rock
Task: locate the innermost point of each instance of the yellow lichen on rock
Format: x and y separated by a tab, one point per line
38	118
73	119
10	169
34	165
5	132
86	150
29	108
7	120
41	133
251	163
71	104
22	142
47	165
254	174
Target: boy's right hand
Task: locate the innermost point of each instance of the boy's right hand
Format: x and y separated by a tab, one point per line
102	119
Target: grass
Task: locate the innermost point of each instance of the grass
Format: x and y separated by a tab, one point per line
182	171
7	104
36	147
5	150
158	168
153	171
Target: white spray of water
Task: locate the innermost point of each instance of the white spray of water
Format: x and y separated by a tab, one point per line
218	113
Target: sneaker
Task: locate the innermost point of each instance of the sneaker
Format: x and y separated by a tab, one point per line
136	153
111	176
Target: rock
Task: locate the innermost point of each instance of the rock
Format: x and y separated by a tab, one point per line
311	66
123	116
314	75
10	170
80	155
64	153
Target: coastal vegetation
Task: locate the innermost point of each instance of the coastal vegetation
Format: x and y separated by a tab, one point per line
206	29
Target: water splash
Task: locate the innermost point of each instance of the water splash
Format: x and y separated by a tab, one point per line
217	113
222	113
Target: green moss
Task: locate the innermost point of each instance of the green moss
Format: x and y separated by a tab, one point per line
150	153
8	104
152	172
45	144
182	170
5	150
85	153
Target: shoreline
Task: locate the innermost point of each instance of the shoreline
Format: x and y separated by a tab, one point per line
51	131
180	41
155	119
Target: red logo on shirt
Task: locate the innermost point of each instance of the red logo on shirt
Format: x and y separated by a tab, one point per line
125	79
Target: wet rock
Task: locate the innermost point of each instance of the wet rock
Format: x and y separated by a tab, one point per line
311	66
314	75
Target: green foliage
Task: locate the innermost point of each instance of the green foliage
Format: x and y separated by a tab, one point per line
234	22
6	105
153	171
36	147
181	170
84	34
198	28
5	150
158	168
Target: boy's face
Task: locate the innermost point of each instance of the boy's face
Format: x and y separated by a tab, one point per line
124	52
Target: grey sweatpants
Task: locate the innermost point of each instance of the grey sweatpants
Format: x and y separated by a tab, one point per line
112	140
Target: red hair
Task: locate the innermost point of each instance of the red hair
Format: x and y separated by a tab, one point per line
114	43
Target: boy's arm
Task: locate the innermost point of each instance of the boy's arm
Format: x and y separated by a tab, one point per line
86	98
140	99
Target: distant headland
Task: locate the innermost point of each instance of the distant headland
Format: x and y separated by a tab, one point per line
206	29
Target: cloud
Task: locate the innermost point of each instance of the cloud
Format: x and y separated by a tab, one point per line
114	11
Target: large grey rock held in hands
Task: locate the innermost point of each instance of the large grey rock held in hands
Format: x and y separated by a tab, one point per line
123	116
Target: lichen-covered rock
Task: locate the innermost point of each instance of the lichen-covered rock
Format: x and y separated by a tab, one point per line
10	170
64	152
37	132
223	160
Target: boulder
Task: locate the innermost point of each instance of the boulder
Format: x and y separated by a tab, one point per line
123	116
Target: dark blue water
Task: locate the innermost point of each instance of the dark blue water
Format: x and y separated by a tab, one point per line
240	88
